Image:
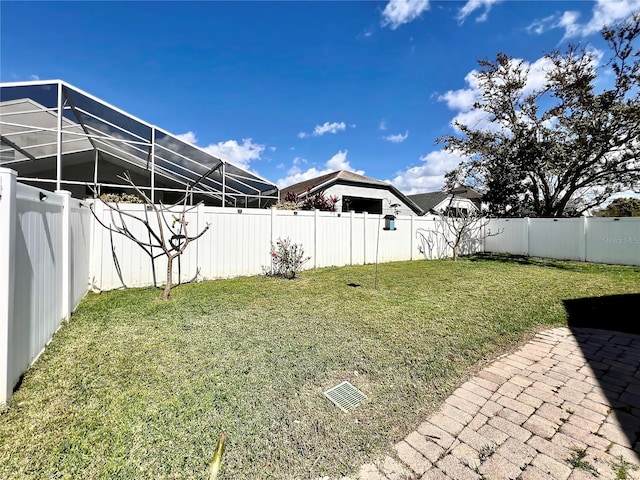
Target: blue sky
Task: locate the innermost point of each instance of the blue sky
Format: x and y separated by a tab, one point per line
292	90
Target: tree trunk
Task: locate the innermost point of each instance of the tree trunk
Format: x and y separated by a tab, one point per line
167	287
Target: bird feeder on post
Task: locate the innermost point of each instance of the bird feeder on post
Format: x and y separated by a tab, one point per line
389	222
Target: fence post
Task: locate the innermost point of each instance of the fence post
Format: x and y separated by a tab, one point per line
65	291
527	226
274	210
583	238
200	223
315	238
411	240
96	267
7	277
351	213
365	217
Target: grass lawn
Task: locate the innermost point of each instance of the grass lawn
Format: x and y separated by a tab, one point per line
137	388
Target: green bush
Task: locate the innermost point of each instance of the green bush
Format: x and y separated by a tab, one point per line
287	259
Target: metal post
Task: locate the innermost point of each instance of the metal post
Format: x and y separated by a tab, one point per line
224	177
95	174
153	165
59	136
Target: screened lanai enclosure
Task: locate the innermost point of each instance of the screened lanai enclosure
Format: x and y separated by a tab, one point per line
58	137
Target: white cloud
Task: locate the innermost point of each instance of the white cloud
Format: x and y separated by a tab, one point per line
339	161
429	176
295	174
399	138
473	5
541	25
326	127
383	125
609	12
605	13
188	137
35	77
399	12
240	155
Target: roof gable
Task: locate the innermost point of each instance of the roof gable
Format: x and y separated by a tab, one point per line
326	179
348	178
427	201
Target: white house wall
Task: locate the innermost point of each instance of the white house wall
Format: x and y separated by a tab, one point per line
388	197
459	203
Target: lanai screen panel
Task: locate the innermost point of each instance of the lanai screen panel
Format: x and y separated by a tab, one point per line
95	131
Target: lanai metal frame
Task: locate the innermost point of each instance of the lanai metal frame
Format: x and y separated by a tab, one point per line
55	127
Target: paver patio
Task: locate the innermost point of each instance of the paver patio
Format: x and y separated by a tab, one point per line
566	406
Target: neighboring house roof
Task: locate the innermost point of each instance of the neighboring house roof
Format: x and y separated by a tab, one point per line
432	201
345	177
466	192
313	183
428	201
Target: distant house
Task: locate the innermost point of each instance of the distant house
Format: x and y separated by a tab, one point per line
461	200
356	193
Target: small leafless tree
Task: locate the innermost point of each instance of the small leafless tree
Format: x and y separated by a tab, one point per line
169	233
460	229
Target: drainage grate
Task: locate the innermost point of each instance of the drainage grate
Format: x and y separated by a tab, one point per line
345	396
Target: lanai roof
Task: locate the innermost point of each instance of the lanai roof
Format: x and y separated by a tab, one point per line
51	125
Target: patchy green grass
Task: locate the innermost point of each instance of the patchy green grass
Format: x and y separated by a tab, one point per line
137	388
577	460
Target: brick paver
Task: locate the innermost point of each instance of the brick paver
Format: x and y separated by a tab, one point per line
565	394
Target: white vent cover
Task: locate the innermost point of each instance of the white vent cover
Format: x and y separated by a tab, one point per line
345	396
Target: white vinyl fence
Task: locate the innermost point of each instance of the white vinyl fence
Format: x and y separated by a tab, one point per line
52	251
598	239
44	268
238	243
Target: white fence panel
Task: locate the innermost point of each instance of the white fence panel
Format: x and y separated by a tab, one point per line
357	224
127	264
615	241
557	238
600	240
44	252
299	227
512	236
80	247
430	239
235	244
38	275
333	239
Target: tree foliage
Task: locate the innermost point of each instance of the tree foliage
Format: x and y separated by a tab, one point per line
309	201
621	207
560	149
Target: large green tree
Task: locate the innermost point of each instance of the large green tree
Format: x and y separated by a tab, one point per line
621	207
562	148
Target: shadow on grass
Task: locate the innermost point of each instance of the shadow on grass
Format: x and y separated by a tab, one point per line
608	332
524	260
613	312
